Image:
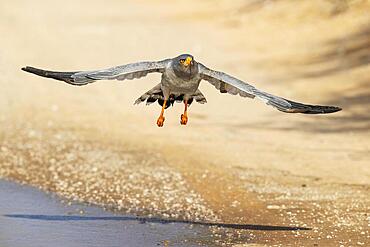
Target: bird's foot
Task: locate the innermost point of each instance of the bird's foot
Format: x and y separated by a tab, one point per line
160	121
184	119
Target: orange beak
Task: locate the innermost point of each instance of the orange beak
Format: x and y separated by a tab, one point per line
188	61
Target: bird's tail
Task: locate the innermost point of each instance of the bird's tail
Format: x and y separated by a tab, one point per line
156	94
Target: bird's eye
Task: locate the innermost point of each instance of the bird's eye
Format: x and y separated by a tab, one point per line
182	60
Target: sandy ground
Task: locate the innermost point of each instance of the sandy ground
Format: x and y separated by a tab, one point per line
238	161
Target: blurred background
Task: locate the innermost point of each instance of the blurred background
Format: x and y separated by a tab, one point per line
237	160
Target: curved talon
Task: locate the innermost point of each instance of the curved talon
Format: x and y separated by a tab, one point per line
160	121
184	119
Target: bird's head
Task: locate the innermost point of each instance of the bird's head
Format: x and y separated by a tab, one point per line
185	66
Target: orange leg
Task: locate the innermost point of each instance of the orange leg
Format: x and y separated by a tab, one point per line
184	117
161	117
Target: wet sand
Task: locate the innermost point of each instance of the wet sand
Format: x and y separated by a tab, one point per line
237	162
32	218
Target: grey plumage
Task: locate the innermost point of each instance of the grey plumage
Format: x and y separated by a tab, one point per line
123	72
180	82
156	94
233	85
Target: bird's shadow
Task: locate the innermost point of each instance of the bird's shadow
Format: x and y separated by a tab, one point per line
154	220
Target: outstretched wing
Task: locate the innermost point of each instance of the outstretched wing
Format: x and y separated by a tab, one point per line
228	84
128	71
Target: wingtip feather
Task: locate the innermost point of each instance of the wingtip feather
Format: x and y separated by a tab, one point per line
29	69
332	109
313	109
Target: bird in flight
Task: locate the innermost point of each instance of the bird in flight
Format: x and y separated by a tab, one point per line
180	80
